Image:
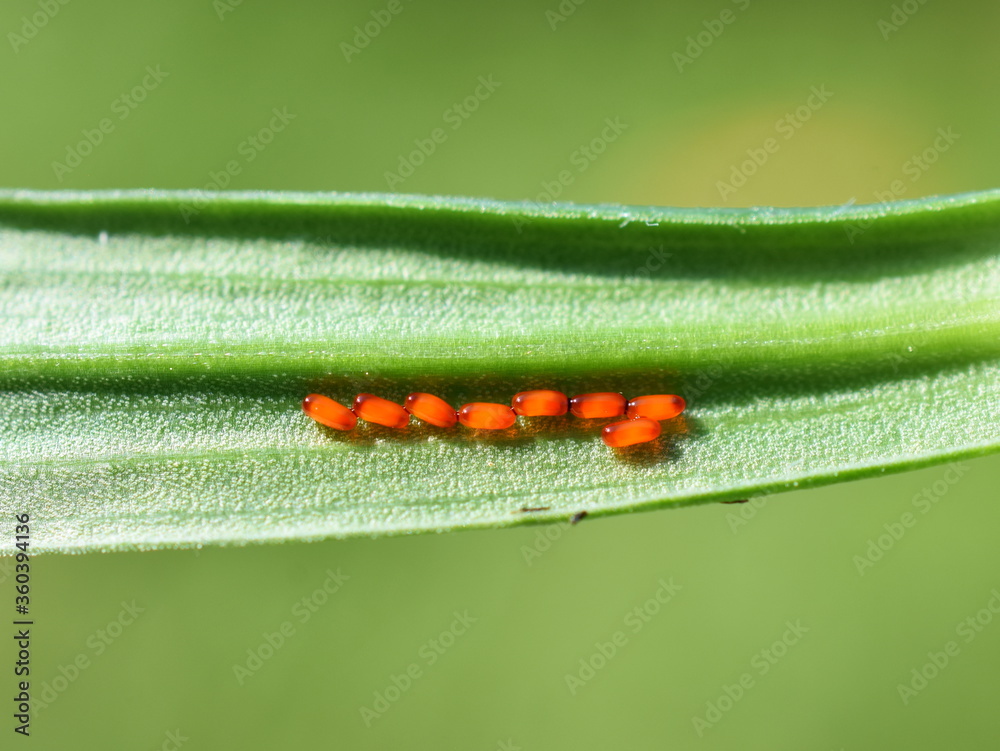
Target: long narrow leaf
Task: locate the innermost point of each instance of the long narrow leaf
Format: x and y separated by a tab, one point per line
155	348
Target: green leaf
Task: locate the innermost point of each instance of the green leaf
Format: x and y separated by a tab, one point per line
155	348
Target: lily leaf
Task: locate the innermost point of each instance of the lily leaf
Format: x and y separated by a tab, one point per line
155	348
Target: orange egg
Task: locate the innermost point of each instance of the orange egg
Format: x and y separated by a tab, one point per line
601	404
371	408
327	412
630	432
656	406
486	416
540	403
431	409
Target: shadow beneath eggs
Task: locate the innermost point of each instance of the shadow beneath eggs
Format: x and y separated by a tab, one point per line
526	431
667	448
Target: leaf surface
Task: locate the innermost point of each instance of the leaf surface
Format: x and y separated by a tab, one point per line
155	348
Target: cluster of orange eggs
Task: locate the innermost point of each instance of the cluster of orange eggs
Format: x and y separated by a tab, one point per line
643	413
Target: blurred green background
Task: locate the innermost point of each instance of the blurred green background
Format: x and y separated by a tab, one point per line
167	679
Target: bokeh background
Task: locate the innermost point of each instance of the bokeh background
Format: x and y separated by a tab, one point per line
893	75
